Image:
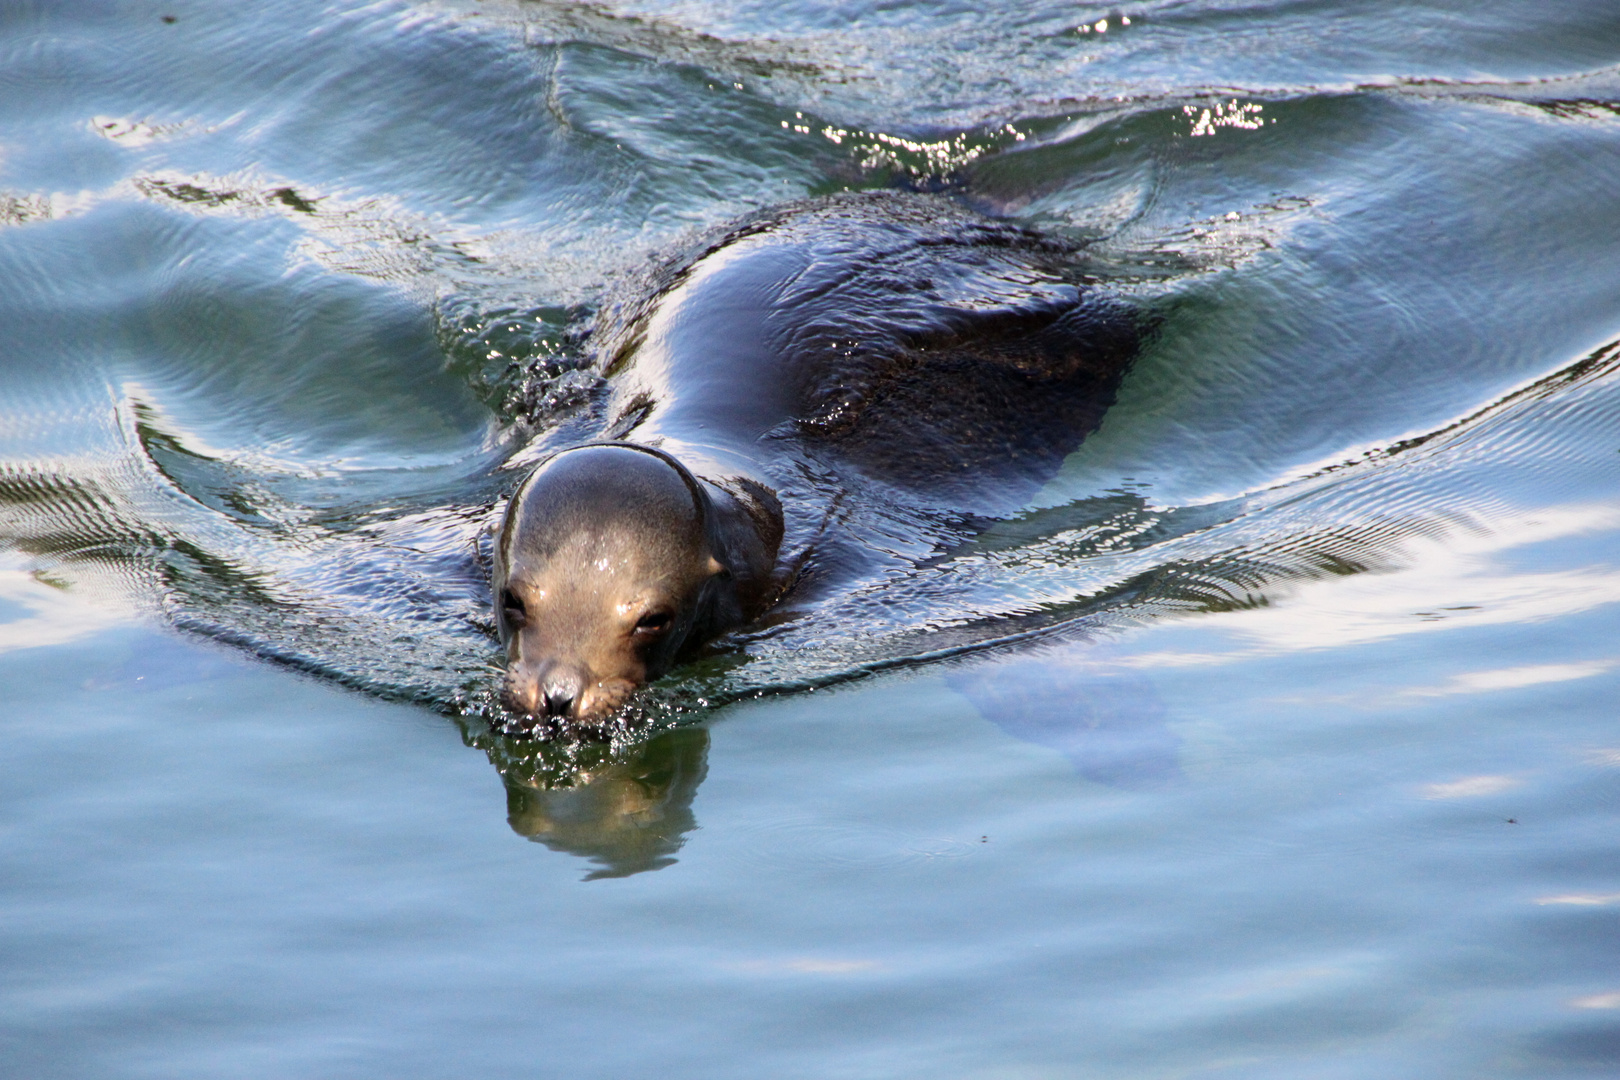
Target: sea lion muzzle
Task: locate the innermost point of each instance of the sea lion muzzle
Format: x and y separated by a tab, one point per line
555	690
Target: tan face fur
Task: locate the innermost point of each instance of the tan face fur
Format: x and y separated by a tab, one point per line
602	569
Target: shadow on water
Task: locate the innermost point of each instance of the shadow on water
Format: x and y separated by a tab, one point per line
1110	726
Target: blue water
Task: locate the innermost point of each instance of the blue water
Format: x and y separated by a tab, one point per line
1276	738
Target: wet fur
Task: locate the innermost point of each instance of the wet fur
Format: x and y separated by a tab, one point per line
876	358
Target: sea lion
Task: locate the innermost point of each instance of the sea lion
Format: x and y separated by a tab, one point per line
890	350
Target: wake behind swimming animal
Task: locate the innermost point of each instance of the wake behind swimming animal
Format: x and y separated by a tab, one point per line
770	394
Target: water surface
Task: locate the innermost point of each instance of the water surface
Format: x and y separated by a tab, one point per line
1275	737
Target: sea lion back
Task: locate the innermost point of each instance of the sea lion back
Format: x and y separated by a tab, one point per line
922	344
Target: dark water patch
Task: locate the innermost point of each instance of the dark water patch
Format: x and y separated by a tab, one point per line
1591	1049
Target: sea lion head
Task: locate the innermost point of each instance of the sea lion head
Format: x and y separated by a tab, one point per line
606	571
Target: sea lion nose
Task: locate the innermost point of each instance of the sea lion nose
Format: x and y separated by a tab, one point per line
553	689
560	691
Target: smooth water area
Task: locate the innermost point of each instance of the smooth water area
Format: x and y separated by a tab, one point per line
1276	738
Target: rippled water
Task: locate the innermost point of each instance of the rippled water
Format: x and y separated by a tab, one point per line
1275	737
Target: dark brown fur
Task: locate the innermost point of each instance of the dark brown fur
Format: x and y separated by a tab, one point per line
887	348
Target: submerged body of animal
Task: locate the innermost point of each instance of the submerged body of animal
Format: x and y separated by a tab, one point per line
887	349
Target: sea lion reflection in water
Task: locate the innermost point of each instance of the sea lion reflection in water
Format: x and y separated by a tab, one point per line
627	813
892	349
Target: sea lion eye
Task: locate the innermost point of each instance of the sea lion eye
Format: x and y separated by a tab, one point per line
654	622
517	616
